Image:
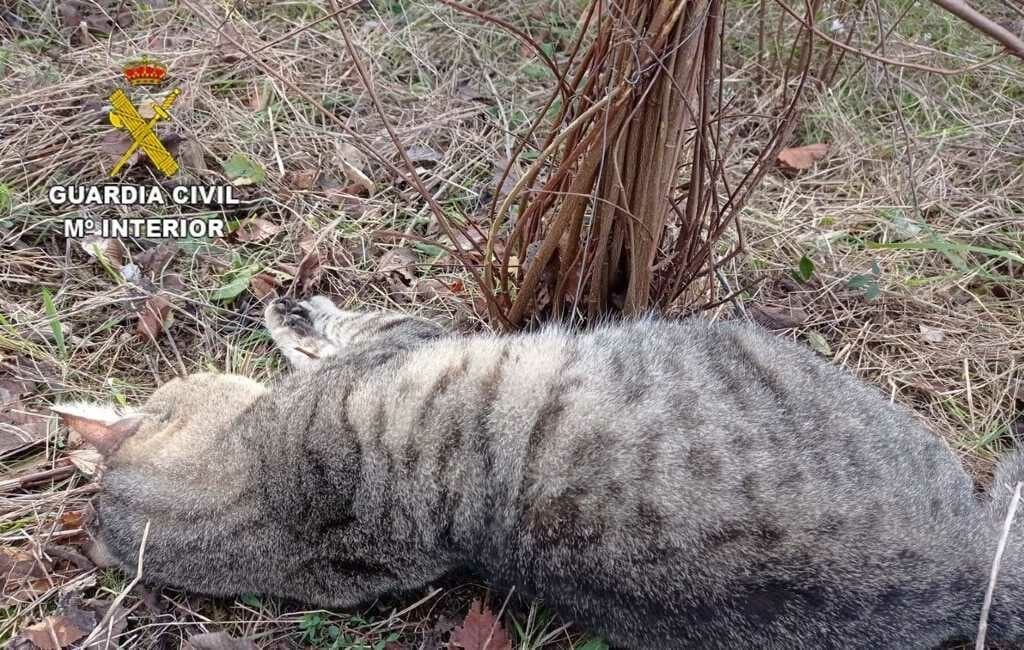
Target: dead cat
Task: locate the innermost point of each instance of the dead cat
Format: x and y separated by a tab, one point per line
664	484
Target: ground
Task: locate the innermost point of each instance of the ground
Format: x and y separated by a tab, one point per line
897	255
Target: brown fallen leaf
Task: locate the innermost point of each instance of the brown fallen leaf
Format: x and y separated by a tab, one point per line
54	632
112	146
352	163
85	459
428	289
801	158
263	286
71	519
12	389
156	258
108	638
154	317
17	564
96	247
398	263
309	273
20	426
217	641
302	179
256	230
777	318
480	630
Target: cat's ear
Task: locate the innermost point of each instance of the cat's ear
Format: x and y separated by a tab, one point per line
101	427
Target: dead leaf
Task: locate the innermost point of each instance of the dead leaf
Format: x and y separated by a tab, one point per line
480	630
256	230
800	158
112	630
398	263
430	288
172	283
156	258
777	318
19	425
217	641
818	343
154	317
352	163
931	334
11	390
17	564
131	273
309	272
303	179
263	285
96	247
101	17
112	146
54	632
71	519
85	459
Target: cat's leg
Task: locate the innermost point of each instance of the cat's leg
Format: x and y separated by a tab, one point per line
346	328
315	328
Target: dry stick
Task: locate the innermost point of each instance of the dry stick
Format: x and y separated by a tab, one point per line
55	474
881	59
488	261
114	606
537	164
979	644
984	24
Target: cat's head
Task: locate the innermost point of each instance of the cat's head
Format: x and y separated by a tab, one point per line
176	421
163	461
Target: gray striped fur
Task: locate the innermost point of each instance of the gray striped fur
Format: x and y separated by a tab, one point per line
668	485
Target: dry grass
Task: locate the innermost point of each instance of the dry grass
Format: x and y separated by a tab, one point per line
924	182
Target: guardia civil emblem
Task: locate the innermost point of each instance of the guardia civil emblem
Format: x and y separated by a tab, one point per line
140	120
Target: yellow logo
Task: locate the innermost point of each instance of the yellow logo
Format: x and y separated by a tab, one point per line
126	116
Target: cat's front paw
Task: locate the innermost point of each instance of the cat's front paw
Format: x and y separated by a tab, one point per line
291	325
286	313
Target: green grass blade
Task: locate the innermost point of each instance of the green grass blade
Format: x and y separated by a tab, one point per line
58	329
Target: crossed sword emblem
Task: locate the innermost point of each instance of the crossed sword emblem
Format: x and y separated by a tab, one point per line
126	116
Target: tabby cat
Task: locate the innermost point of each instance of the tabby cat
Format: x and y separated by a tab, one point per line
664	484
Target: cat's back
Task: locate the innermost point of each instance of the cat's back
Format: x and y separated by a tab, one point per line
721	464
746	437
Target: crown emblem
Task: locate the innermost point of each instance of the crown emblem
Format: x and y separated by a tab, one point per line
145	73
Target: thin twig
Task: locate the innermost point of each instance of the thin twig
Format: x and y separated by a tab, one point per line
116	605
979	644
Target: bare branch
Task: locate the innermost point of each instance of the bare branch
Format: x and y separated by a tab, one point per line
984	24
